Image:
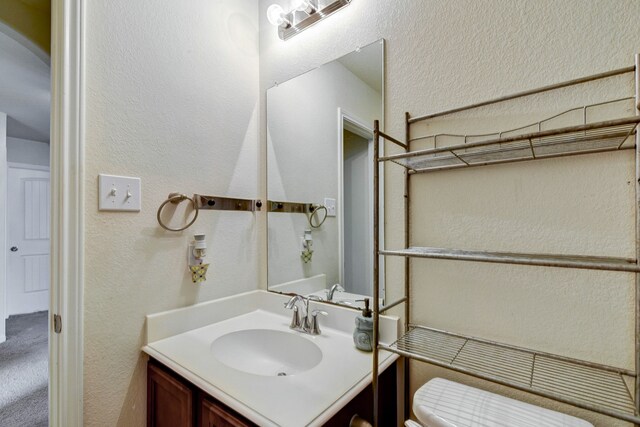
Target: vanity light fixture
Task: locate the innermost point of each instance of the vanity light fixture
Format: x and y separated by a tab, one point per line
304	13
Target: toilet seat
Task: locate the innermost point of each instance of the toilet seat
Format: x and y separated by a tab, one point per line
444	403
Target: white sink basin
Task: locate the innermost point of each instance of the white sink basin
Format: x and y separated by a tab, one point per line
266	352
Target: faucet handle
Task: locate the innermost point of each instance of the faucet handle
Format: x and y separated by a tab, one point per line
314	327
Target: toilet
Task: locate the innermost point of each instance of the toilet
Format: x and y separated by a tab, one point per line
444	403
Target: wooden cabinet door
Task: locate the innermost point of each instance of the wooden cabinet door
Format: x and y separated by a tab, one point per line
169	401
213	415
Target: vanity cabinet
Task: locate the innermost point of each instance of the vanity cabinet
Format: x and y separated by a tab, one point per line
213	414
169	399
172	401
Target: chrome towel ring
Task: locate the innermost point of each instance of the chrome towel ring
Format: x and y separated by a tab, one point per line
176	198
314	209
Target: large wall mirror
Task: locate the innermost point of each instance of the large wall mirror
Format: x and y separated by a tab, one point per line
320	178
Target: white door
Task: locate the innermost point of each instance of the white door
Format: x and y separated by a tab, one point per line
28	241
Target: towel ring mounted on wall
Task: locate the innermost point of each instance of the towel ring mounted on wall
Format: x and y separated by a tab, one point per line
314	209
200	202
176	198
310	209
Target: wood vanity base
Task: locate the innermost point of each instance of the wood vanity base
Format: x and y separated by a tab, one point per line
172	401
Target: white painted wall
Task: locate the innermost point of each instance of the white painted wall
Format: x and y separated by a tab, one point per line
27	151
446	54
303	161
3	225
171	97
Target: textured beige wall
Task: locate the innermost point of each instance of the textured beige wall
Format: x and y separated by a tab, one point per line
446	54
171	97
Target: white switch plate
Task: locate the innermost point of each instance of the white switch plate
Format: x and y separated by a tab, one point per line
119	193
330	204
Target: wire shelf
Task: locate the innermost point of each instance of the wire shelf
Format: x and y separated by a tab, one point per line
543	260
603	389
591	386
582	139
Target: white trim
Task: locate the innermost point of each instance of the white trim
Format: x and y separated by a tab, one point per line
67	212
4	195
359	127
14	165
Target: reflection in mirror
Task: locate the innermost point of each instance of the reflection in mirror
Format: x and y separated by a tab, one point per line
320	178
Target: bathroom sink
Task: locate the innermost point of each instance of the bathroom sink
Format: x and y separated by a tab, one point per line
266	352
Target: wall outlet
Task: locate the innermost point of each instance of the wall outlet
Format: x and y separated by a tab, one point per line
330	204
119	193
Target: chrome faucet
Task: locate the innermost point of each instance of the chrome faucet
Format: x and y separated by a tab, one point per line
308	321
333	290
296	322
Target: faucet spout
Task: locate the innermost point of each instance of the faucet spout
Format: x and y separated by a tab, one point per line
292	302
332	291
296	319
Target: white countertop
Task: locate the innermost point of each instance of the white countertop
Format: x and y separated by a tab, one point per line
181	339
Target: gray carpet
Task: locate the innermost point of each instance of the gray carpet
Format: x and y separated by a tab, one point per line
24	372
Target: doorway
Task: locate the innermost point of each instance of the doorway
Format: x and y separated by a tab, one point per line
24	369
25	115
65	111
355	205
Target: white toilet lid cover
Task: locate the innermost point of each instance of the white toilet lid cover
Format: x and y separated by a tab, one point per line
444	403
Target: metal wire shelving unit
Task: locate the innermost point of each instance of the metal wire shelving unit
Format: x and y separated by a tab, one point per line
600	388
581	139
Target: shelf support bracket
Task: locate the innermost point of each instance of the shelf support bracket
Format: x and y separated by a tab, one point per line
637	208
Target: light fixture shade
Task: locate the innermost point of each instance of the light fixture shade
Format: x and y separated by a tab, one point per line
275	15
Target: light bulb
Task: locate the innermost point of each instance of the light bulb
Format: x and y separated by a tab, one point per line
275	15
303	6
200	246
199	253
300	5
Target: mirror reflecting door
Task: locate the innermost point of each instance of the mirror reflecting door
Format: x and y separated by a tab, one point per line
320	178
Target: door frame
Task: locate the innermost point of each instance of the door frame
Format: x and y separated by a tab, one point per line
67	212
344	115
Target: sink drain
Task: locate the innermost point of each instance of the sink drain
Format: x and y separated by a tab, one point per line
282	374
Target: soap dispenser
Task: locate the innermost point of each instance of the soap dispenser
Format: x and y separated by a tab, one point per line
363	334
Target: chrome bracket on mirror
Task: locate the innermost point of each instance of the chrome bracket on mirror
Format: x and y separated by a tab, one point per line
289	207
226	203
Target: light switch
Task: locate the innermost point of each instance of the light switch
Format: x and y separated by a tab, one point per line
119	193
330	204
